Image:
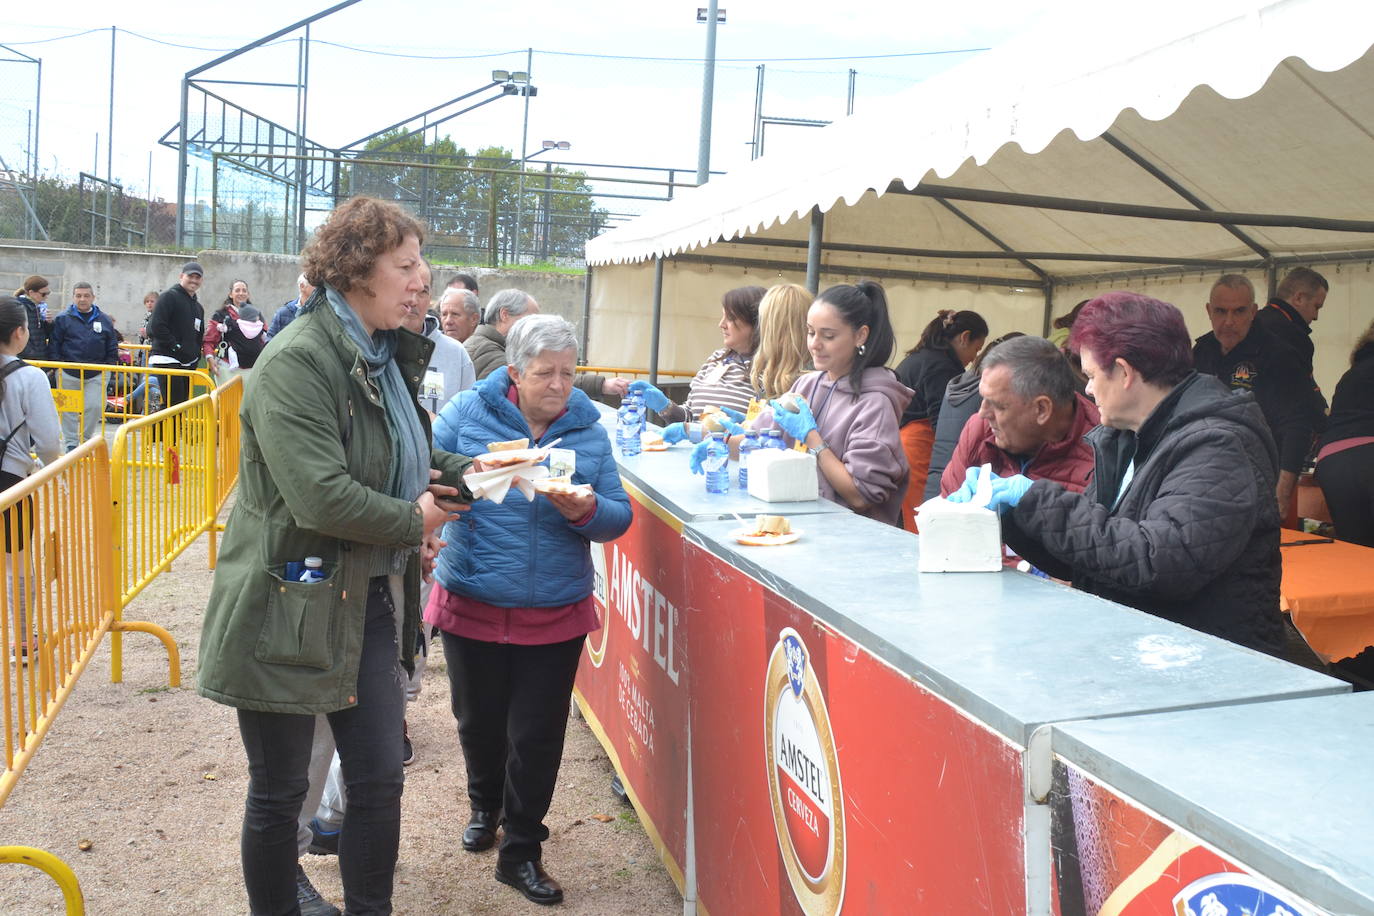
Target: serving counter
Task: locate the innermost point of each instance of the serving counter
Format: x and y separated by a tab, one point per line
818	726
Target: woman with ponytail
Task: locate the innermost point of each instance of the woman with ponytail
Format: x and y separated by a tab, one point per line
850	405
947	345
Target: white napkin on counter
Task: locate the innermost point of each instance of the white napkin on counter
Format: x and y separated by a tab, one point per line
495	484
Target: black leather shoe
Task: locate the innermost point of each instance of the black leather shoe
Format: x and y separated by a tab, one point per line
309	899
530	879
480	833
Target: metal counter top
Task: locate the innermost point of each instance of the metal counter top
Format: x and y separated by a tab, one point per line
1298	813
665	478
1013	650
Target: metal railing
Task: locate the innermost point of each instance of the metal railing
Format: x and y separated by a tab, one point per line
228	400
126	391
629	372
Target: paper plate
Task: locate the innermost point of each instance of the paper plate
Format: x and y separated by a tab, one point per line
553	485
658	445
745	536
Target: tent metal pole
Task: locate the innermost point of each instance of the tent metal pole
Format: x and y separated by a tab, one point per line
1008	255
1049	310
658	321
586	311
872	272
1159	175
1113	208
813	251
987	234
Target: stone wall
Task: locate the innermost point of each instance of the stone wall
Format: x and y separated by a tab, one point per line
121	278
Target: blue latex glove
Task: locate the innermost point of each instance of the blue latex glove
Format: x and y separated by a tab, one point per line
732	428
654	399
674	432
1007	492
698	456
797	425
965	493
733	414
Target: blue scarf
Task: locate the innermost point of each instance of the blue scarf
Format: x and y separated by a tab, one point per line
410	458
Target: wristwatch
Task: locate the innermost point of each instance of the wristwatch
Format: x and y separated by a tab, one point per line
816	452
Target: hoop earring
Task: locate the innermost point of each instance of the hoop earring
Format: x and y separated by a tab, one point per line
862	349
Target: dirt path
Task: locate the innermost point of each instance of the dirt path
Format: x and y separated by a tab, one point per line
155	780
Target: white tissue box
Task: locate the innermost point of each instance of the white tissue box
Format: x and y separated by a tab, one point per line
778	476
958	537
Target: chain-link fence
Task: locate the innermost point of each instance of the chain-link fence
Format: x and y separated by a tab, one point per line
20	78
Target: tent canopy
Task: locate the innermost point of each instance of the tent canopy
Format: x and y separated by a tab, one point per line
1117	144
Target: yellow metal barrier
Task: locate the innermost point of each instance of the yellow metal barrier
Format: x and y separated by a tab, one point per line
138	353
163	484
126	391
228	399
627	372
55	868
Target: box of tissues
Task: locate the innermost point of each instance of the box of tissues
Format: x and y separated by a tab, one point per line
959	537
782	476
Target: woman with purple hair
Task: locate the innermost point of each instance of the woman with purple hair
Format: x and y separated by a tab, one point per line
1179	519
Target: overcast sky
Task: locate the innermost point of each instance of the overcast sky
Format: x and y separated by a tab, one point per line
611	110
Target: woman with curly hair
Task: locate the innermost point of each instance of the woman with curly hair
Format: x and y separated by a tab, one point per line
336	466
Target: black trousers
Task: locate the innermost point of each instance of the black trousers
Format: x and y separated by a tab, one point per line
511	703
1347	481
368	736
175	388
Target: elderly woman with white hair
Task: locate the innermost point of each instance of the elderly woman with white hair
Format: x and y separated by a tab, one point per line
513	593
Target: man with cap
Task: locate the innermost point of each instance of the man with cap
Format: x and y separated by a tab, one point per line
176	331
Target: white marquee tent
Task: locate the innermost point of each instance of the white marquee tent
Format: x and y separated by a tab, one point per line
1137	148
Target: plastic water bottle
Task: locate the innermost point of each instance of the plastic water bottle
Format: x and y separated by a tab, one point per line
628	430
774	440
717	465
313	571
749	445
637	402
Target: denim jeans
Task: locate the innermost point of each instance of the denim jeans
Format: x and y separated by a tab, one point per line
368	736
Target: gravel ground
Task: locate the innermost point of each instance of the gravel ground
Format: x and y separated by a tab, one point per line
155	779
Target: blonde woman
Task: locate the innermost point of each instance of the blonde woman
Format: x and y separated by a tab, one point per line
781	357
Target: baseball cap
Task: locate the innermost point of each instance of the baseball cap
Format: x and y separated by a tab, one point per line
192	267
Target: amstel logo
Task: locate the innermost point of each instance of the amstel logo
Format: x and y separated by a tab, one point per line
596	653
1223	894
804	778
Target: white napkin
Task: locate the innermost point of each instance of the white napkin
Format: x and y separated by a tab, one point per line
495	484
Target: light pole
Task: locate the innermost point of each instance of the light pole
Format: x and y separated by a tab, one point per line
710	15
547	145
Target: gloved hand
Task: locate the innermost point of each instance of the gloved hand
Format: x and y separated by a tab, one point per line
654	399
797	425
678	432
733	415
965	493
1007	492
698	456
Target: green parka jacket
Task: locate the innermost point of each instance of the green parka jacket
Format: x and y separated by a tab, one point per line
314	462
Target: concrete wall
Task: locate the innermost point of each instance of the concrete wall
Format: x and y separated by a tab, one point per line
121	278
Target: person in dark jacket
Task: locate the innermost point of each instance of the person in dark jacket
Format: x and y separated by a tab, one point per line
176	331
33	295
287	313
1289	315
960	402
1248	358
1179	520
83	334
948	344
1345	456
513	596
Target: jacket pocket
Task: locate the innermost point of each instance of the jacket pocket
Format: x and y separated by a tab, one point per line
298	626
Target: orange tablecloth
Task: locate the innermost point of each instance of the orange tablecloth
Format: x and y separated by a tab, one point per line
1328	591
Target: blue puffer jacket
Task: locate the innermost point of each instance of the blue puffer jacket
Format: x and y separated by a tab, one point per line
519	553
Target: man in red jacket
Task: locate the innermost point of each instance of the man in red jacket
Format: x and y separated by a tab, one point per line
1032	421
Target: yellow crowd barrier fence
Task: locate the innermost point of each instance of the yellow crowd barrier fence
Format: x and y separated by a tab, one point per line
227	400
59	600
118	392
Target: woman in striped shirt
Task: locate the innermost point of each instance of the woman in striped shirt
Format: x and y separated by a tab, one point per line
723	380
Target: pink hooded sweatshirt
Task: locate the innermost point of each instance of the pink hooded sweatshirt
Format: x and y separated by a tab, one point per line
863	434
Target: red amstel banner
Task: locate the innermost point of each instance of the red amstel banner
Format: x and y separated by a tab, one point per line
632	683
1113	858
824	780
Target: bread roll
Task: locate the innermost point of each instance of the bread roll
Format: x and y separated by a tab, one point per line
508	446
771	524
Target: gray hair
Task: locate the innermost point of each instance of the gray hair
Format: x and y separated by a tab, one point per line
1037	367
82	284
534	334
468	297
1233	281
514	301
